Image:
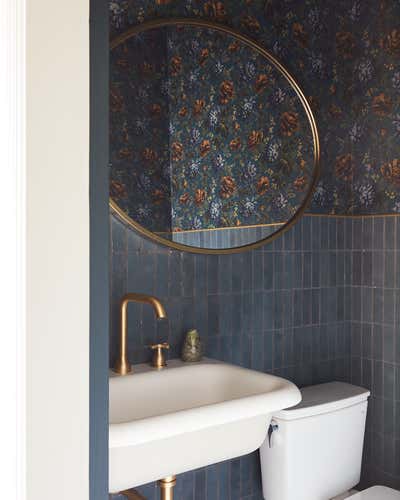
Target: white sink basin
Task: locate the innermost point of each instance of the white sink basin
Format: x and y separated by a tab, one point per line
185	416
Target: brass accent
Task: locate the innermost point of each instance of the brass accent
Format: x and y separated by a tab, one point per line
122	366
167	487
352	216
132	495
158	23
183	231
158	356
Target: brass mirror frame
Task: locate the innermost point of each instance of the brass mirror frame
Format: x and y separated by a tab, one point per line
200	23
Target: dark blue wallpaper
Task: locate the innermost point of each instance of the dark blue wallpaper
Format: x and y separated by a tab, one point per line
345	55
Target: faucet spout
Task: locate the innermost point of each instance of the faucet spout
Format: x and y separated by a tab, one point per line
122	366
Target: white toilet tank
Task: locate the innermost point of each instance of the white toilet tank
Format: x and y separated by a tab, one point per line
315	451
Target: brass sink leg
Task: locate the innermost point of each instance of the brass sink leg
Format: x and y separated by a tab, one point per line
167	487
132	495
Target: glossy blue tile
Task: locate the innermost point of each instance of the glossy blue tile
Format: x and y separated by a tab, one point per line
213	315
212	482
225	273
389	278
268	270
225	314
389	375
306	233
390	236
188	275
200	273
224	484
367	233
340	233
258	271
200	484
378	232
298	311
235	479
357	234
332	223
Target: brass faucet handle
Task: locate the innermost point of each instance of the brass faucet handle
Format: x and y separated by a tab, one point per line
163	345
158	356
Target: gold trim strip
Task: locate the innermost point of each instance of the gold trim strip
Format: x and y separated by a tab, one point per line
184	231
352	216
158	23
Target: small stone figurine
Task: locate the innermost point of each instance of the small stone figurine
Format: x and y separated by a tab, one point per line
192	347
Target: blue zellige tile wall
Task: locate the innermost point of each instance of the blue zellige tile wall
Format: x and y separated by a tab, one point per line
375	341
284	308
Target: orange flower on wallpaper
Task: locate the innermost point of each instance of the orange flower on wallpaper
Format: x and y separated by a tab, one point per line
125	153
155	109
199	196
158	196
262	185
184	198
177	151
382	104
123	63
314	102
117	190
226	91
250	23
391	172
117	104
300	184
149	154
176	65
335	111
300	34
235	144
147	68
234	46
205	147
204	53
183	111
228	187
261	83
344	167
255	137
345	44
215	10
198	106
289	123
391	43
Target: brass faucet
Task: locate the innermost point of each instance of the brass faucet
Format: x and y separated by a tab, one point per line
122	366
158	356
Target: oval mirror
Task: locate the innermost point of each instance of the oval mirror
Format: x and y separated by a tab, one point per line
213	146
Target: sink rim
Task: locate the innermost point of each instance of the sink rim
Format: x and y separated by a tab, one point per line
153	428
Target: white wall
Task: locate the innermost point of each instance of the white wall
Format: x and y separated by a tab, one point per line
57	218
12	306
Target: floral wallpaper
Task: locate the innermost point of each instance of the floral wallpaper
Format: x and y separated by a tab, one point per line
140	181
345	54
240	145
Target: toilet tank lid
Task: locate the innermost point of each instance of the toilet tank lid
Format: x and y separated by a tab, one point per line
324	398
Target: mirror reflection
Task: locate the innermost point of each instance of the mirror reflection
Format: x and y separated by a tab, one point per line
211	145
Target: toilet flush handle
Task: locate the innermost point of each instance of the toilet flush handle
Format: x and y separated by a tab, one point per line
272	427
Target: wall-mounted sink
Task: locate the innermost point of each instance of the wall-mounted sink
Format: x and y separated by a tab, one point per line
185	416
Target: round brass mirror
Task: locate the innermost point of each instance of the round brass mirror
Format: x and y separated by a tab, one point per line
213	146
